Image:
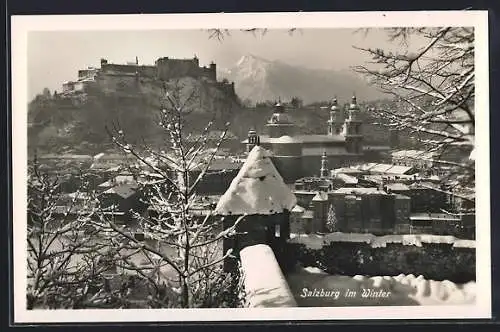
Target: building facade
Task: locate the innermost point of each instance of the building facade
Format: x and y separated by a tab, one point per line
296	155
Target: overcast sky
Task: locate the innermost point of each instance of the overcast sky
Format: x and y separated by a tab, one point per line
55	57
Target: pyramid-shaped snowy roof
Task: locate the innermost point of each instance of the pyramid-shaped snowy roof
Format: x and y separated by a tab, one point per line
320	196
257	189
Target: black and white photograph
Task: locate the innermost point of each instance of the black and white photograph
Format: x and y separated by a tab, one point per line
272	166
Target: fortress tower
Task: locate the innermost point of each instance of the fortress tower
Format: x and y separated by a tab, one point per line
352	129
335	121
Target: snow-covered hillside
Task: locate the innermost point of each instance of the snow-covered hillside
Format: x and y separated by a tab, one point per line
313	287
260	79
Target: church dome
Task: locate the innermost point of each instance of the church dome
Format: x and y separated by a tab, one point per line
278	118
286	139
335	105
354	104
279	108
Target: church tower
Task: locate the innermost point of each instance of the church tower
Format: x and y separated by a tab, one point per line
352	129
279	124
324	166
287	151
335	122
253	140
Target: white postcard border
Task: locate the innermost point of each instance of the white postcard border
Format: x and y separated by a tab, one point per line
21	25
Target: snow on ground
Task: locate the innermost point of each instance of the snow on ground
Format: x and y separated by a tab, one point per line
313	287
316	241
258	188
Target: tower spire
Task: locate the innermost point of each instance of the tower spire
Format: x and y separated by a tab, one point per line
333	121
352	128
324	166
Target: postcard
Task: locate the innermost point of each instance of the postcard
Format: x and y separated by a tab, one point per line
250	167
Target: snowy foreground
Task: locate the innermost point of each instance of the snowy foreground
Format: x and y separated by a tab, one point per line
313	287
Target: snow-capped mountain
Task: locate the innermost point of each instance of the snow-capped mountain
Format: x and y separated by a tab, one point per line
259	79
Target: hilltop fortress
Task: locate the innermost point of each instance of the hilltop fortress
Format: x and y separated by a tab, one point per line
112	77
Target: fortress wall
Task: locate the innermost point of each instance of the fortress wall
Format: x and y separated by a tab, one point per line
115	83
174	68
208	72
164	68
147	71
111	68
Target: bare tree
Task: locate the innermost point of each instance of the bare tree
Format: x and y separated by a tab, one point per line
433	87
221	34
181	250
64	269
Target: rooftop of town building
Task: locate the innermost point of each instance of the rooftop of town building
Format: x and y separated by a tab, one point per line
258	188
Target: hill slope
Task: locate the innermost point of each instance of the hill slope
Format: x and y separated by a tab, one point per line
62	122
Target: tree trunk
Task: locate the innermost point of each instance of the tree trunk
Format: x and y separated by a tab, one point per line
185	294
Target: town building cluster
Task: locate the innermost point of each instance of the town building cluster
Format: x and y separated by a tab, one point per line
338	186
296	155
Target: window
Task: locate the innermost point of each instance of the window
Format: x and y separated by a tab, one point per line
277	231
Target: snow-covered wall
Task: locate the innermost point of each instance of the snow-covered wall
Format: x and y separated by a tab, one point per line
315	241
434	257
265	284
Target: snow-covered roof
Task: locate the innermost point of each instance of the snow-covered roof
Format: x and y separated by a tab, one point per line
298	209
119	180
399	169
347	170
347	178
360	191
284	139
380	168
258	188
124	190
397	186
414	154
384	168
320	196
